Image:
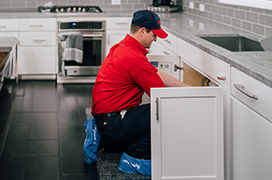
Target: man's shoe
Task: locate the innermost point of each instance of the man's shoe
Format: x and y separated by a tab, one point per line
132	165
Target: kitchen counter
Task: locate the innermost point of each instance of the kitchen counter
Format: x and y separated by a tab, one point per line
56	15
188	28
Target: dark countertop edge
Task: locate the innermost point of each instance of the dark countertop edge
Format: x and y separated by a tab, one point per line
225	56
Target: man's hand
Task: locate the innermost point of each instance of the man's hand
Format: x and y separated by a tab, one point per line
169	81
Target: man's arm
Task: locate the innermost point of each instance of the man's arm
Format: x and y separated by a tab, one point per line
169	81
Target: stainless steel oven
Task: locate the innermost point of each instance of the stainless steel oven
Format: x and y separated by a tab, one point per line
93	33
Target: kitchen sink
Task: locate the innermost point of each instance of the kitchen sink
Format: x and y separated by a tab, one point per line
234	43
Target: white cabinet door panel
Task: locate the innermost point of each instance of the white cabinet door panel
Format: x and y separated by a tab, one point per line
187	133
113	37
252	144
36	60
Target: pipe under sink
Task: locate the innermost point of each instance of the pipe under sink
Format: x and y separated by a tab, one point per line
234	43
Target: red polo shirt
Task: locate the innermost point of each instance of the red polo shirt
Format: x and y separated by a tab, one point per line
124	76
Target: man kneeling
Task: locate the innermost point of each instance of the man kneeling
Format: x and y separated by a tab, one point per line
124	76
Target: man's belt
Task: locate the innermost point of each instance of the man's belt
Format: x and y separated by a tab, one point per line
99	117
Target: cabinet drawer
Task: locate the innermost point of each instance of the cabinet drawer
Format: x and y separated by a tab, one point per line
252	87
159	49
170	42
37	38
9	24
37	24
118	23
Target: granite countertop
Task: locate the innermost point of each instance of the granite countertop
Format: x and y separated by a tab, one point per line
256	64
188	28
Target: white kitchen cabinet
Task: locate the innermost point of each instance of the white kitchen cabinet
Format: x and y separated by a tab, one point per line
187	124
37	49
218	72
116	29
113	37
159	49
166	64
37	39
187	133
170	42
9	28
36	60
252	145
252	127
166	60
37	24
167	48
263	103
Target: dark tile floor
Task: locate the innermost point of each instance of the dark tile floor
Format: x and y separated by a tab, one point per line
41	127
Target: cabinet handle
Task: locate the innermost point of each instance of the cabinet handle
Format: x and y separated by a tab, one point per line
221	77
36	25
121	23
157	108
165	52
3	26
241	89
38	39
176	67
169	42
84	35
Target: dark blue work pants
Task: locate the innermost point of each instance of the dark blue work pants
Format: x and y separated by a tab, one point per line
130	134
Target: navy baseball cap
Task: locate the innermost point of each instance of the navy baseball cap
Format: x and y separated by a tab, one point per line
149	20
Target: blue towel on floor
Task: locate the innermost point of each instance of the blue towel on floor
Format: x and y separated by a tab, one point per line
132	165
91	141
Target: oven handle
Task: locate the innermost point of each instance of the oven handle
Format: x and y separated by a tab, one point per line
84	35
92	35
63	37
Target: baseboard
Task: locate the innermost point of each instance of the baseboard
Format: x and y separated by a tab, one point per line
37	77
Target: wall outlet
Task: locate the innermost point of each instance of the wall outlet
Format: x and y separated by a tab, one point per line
191	5
201	26
191	22
115	2
201	7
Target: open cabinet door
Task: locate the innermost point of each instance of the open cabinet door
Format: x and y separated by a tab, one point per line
187	133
